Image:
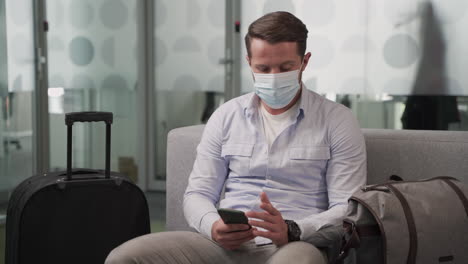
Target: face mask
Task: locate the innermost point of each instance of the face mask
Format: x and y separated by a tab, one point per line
277	90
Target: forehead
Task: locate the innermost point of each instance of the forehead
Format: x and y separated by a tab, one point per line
261	50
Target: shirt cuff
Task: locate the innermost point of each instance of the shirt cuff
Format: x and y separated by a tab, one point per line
207	223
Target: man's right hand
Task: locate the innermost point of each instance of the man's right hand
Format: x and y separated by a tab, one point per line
231	236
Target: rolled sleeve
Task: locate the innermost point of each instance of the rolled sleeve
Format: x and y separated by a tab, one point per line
206	180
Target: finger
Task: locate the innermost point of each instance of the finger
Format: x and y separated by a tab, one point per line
237	244
261	215
232	244
227	241
270	209
266	234
239	241
264	198
265	225
227	228
266	204
235	235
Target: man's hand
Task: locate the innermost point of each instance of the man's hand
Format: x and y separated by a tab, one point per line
273	222
231	236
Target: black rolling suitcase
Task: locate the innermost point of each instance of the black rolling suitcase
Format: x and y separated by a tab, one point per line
75	216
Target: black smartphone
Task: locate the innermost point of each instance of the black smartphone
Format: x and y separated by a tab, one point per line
231	216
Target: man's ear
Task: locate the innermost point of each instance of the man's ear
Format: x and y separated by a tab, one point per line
247	59
306	60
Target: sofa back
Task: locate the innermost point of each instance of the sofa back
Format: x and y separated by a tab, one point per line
411	154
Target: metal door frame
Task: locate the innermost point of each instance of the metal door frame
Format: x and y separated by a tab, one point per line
41	136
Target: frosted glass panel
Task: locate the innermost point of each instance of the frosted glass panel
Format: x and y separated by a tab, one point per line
17	85
92	49
20	39
372	47
189	79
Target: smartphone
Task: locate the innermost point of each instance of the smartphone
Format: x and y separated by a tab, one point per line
231	216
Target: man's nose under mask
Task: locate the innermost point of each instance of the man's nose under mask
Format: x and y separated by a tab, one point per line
277	90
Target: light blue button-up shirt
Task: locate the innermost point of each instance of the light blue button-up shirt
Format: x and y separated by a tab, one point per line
309	172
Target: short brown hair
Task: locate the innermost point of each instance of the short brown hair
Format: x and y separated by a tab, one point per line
278	27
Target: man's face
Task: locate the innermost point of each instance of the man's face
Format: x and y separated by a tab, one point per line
275	58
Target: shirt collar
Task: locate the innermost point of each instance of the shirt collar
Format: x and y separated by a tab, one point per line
251	105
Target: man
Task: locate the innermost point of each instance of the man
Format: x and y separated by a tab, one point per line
286	156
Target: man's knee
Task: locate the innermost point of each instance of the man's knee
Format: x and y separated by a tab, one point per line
117	256
149	248
300	252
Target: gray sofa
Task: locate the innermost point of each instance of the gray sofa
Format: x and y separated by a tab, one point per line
410	154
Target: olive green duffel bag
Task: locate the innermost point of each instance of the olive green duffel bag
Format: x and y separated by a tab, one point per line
400	222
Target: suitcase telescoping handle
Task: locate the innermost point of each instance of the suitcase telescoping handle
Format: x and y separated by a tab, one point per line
71	118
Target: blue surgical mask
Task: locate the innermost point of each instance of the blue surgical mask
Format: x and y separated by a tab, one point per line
277	90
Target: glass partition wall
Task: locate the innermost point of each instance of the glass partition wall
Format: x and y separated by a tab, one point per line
396	64
92	51
189	45
17	97
17	84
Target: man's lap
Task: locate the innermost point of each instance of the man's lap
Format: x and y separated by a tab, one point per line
182	247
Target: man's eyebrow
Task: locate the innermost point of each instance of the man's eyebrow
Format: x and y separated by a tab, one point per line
283	63
288	62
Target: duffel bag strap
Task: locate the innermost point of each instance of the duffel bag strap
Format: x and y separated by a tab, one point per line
352	237
346	244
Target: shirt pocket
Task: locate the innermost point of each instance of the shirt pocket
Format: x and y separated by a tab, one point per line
238	157
309	156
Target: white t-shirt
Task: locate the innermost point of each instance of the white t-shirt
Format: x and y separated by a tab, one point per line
273	125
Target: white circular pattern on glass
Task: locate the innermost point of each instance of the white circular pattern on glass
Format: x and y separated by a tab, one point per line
81	14
113	14
279	5
186	44
81	51
322	50
318	13
400	51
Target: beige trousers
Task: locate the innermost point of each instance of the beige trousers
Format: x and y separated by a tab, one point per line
189	247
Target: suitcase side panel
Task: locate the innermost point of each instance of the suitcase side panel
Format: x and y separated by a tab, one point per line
42	206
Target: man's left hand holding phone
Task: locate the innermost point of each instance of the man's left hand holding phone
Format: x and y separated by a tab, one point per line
232	230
